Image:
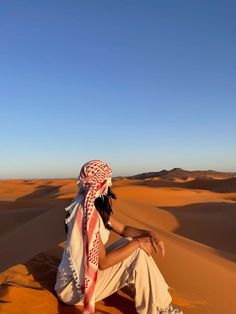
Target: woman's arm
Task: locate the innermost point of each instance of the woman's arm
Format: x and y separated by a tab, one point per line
111	258
129	231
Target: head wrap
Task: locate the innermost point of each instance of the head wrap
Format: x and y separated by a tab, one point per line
83	235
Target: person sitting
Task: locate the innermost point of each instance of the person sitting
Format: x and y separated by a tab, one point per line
88	271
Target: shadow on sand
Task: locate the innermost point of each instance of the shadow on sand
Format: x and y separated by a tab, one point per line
213	224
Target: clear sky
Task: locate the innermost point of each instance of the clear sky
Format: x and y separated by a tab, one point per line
142	85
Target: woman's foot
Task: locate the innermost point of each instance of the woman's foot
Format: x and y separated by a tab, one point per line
174	310
171	310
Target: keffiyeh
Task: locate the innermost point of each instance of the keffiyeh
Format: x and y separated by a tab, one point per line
83	238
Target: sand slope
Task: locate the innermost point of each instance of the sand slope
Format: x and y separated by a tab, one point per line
196	223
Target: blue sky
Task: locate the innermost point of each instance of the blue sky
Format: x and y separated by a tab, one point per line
142	85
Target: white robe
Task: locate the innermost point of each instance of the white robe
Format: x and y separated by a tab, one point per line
139	269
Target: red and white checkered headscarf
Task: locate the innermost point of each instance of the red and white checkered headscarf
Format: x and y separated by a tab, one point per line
83	238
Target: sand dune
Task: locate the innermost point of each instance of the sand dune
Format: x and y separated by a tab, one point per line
197	223
184	174
214	185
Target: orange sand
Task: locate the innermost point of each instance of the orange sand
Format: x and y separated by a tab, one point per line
197	223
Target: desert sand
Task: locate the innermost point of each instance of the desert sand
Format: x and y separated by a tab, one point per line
195	217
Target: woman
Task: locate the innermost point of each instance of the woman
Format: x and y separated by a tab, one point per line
88	271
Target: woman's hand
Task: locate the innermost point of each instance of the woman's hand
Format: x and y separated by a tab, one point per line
157	243
145	244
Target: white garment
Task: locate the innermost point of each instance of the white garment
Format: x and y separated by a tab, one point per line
64	274
139	269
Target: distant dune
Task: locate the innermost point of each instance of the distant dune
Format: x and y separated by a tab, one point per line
184	174
195	215
201	183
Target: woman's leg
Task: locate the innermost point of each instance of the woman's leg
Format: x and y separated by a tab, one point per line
141	270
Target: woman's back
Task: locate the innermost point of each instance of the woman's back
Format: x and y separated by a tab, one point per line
64	275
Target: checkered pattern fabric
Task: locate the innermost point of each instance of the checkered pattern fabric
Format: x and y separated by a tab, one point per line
83	241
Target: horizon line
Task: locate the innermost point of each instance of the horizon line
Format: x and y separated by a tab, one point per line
114	177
